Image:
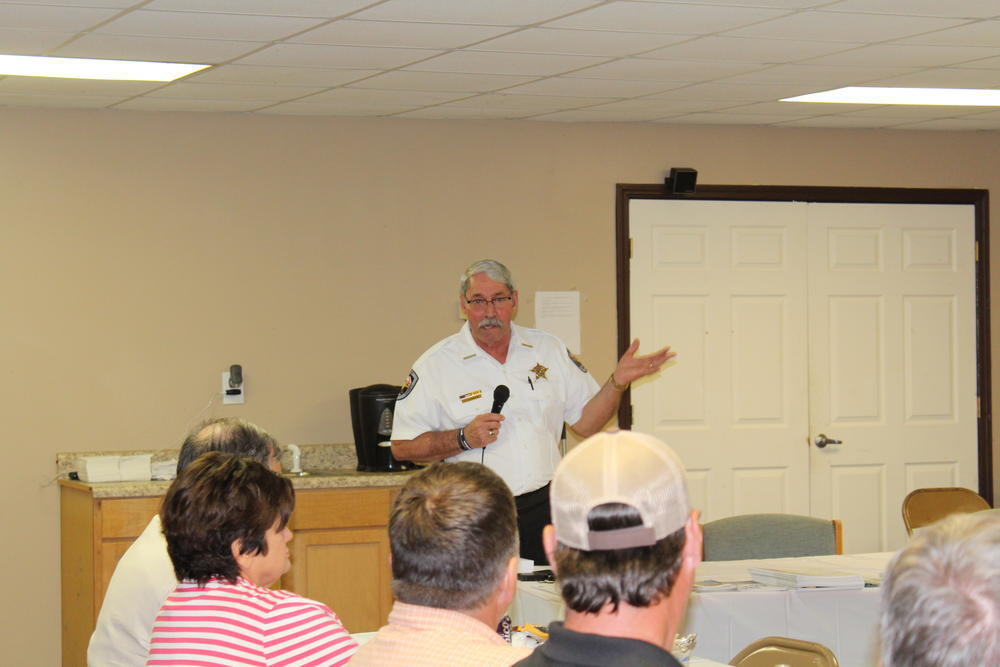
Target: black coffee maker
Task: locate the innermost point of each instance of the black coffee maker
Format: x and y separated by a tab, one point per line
371	417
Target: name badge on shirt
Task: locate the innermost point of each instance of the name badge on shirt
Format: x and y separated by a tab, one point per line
471	396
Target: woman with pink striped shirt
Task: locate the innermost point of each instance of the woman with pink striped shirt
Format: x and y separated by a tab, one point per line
225	519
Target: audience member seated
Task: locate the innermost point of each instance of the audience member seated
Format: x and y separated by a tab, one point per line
144	576
225	519
941	596
453	537
624	545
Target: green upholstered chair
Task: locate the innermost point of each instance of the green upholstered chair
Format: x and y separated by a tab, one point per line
771	536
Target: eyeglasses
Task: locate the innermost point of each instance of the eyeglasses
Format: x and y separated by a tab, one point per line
497	301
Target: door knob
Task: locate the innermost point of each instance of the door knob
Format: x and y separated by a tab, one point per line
822	441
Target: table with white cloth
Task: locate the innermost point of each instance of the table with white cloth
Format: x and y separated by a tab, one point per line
845	621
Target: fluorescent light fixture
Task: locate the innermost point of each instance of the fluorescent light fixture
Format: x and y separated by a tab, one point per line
951	97
87	68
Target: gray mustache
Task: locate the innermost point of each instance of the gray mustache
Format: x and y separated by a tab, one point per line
490	322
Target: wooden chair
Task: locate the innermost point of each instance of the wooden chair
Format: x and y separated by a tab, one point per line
771	651
771	536
923	507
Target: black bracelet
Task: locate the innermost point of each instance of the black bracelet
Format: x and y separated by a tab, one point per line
463	444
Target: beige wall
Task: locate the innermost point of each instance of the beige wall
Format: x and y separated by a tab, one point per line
144	253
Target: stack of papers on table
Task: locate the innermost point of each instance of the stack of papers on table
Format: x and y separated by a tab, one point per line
806	577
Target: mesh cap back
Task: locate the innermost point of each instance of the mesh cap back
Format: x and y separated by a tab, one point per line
619	467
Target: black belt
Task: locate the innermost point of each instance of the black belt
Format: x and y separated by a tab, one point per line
532	498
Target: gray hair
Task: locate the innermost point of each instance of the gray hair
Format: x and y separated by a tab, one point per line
492	268
229	435
941	596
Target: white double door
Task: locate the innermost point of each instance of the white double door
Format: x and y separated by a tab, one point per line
792	320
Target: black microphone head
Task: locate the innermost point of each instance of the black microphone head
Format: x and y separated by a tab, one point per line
500	396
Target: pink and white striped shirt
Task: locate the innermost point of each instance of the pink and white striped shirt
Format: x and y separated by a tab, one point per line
243	624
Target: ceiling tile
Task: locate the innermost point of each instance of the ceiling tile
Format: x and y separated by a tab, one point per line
445	81
592	115
661	18
155	49
844	27
798	108
233	91
483	12
984	33
307	8
368	96
663	106
478	62
944	78
316	55
180	104
846	122
460	113
564	85
207	26
641	69
31	42
106	4
537	103
577	42
953	8
332	109
47	17
395	34
904	55
737	92
904	111
746	49
730	119
279	76
819	76
952	124
72	101
53	86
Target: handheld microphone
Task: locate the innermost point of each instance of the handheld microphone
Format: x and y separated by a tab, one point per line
500	396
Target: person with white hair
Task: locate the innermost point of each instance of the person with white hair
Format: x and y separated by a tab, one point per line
941	596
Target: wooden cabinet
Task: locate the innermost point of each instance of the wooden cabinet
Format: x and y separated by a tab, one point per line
95	532
340	554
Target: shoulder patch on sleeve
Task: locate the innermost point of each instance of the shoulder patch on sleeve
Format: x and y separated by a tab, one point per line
411	382
576	362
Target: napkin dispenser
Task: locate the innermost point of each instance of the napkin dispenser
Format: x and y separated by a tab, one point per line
134	468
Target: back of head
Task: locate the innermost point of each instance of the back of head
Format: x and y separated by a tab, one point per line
452	531
216	500
229	435
619	509
941	596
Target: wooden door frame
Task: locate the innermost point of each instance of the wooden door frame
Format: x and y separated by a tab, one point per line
979	199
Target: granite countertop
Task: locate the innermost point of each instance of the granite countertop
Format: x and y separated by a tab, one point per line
329	466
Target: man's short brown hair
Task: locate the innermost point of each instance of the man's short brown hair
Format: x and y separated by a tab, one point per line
452	531
638	576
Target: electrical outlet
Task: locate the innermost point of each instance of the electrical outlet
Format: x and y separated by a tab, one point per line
228	398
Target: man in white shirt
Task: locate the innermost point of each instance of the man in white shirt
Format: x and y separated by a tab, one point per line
444	409
144	575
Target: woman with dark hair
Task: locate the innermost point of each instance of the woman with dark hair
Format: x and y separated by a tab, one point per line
225	519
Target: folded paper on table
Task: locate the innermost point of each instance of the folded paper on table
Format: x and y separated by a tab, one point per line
806	577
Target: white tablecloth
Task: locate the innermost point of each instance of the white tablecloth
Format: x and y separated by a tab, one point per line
846	621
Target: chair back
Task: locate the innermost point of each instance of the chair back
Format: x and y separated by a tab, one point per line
771	536
923	507
771	651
